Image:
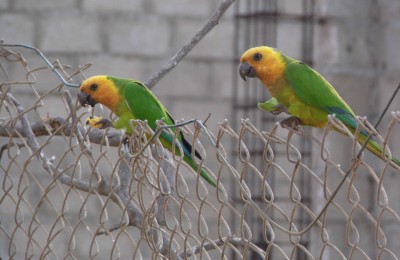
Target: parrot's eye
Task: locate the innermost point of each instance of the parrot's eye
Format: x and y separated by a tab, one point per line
93	87
257	56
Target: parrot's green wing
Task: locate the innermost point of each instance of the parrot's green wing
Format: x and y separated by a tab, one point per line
145	106
312	89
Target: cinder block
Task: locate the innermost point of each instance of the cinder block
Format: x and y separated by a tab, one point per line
188	79
355	32
392	37
290	47
70	33
182	7
287	6
326	47
354	89
4	4
146	35
345	8
151	66
200	109
41	5
217	44
355	43
387	84
389	10
392	232
221	85
114	65
16	28
118	5
43	78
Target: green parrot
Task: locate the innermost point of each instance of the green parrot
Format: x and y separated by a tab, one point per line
130	99
302	91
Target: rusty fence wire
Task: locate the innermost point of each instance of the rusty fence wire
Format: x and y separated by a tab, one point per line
72	192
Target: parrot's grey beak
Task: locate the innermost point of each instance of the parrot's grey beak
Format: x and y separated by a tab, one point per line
86	99
245	70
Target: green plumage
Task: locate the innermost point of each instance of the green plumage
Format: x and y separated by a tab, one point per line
140	103
312	89
130	99
304	93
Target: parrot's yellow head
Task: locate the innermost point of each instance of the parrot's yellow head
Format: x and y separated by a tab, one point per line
99	89
263	62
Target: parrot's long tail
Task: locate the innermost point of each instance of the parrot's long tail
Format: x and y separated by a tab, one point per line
372	145
167	140
203	173
375	148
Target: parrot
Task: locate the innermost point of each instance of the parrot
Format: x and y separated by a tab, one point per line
302	92
129	99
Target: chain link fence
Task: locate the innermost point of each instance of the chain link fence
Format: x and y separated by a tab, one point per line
72	192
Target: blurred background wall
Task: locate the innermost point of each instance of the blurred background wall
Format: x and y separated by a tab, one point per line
353	43
133	39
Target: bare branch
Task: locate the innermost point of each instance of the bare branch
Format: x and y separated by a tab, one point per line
86	148
8	146
48	63
60	126
25	126
185	49
112	228
33	144
236	241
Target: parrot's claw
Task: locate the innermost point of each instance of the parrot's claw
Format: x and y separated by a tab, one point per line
291	122
279	109
273	106
98	122
104	123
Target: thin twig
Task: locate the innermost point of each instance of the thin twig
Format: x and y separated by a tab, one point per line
237	241
185	49
8	146
33	144
49	64
59	126
111	229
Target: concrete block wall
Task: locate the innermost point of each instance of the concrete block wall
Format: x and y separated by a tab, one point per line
133	39
356	51
124	38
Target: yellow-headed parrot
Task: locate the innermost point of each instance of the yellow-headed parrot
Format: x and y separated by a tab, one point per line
130	99
301	91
